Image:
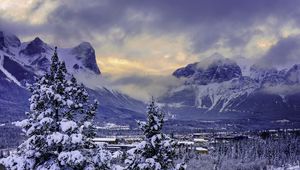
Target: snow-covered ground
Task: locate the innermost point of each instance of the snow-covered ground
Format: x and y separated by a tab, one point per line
113	126
297	167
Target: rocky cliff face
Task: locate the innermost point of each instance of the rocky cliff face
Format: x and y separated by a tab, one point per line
21	62
37	54
216	72
85	53
220	89
8	41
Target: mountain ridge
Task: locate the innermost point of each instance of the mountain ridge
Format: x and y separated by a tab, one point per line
222	89
22	62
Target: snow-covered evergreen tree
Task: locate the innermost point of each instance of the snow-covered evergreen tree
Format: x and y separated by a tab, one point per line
59	127
157	151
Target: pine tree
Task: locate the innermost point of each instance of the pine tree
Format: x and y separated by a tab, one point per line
59	127
157	151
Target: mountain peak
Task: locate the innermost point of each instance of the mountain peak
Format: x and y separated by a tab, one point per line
85	45
38	54
37	41
36	46
210	70
8	40
86	53
83	48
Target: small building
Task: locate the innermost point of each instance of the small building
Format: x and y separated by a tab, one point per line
200	141
230	138
131	140
106	140
113	148
201	150
122	147
202	135
185	143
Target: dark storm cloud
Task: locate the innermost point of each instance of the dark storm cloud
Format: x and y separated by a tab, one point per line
21	28
231	20
205	21
285	52
77	19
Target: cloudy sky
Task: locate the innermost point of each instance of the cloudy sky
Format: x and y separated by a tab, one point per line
139	38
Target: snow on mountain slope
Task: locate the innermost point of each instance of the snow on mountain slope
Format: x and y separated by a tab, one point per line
223	94
78	59
7	74
245	64
220	86
212	71
8	42
21	62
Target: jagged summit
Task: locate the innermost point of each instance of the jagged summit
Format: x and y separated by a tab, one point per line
37	41
219	85
85	45
86	53
209	71
21	63
35	47
36	54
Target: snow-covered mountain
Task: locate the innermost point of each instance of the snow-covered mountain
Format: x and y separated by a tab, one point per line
214	88
216	70
220	88
21	62
37	54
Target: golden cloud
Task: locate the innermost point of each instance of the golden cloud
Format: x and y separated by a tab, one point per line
25	11
144	54
122	66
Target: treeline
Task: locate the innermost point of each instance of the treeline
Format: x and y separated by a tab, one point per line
260	152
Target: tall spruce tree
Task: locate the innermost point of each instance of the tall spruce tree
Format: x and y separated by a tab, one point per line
157	151
59	127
